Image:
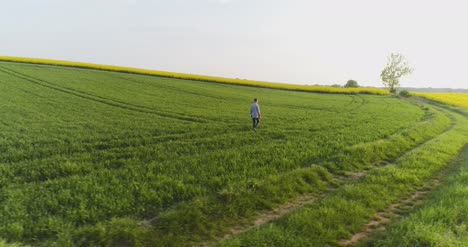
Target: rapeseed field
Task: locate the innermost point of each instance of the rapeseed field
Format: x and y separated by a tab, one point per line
455	99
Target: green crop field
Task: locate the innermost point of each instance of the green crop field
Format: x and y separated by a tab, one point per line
102	158
442	221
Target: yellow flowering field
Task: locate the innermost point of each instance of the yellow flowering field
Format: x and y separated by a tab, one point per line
285	86
456	99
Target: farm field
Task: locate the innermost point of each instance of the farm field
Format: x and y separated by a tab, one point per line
166	74
369	203
442	221
455	99
101	158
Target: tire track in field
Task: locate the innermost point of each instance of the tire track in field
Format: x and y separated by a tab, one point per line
125	104
132	142
96	159
29	92
394	211
362	102
101	145
154	140
288	208
99	99
110	74
175	89
298	107
426	119
120	147
283	210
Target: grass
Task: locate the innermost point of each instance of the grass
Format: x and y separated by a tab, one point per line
3	243
101	158
284	86
340	215
442	221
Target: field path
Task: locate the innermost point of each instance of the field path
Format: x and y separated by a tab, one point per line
396	210
269	216
381	218
266	218
283	210
378	223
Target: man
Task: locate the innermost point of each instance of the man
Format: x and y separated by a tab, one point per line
255	114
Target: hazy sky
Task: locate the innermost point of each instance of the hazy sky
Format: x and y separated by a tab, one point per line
296	41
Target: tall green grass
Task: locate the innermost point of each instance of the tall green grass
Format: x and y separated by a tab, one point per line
442	221
3	243
340	215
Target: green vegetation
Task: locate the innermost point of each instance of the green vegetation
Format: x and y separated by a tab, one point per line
396	67
442	221
351	83
339	215
283	86
100	158
3	243
404	93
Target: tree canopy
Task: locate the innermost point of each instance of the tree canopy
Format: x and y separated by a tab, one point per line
351	83
397	66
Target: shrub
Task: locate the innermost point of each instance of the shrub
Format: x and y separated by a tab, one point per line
404	93
351	83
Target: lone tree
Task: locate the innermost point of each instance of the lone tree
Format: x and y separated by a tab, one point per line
397	66
351	83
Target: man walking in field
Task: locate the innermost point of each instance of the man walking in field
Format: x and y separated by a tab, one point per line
255	114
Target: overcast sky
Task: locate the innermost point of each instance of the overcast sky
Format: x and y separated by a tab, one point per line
295	41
